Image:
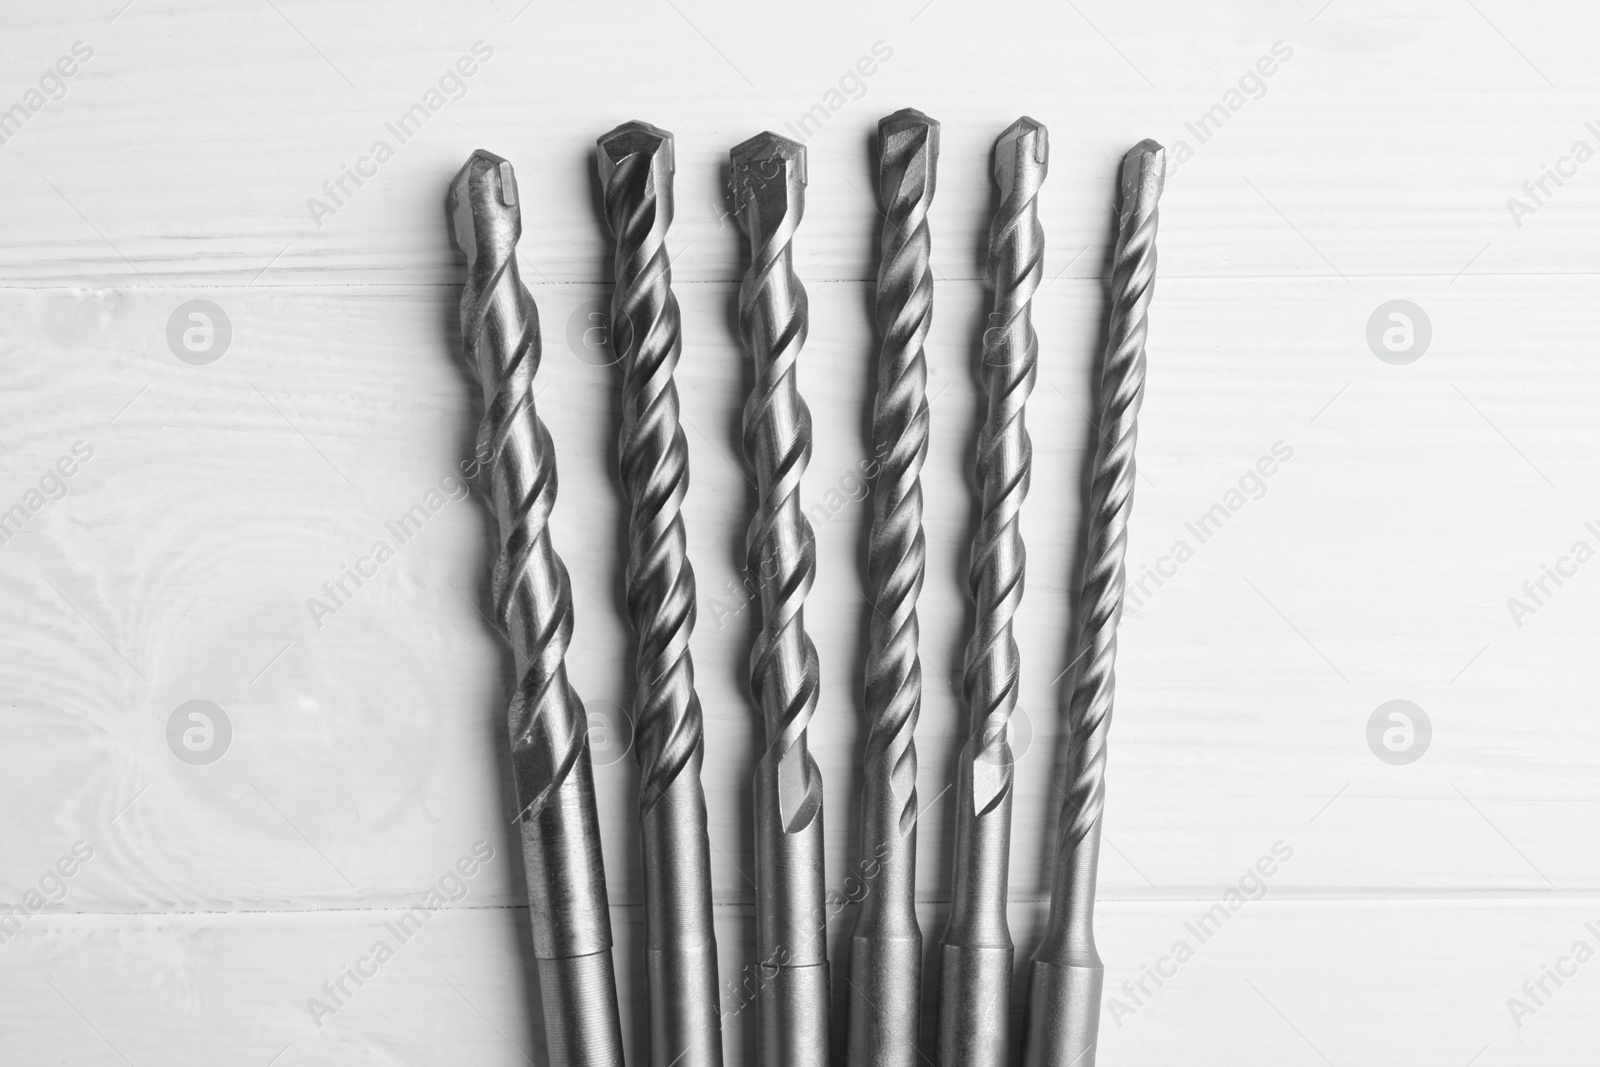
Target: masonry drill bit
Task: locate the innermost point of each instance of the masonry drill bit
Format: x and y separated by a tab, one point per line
769	177
1064	987
636	166
533	605
976	953
886	947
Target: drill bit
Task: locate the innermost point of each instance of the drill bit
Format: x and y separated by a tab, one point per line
1064	986
886	946
769	177
550	768
636	166
976	953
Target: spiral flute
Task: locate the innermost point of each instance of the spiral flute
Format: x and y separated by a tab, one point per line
636	166
976	952
533	604
769	177
886	946
1064	986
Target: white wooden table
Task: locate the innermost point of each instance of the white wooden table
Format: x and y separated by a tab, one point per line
363	756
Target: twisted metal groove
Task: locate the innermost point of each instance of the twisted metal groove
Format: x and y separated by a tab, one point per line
654	460
773	321
1004	469
527	562
896	550
531	590
886	946
1110	503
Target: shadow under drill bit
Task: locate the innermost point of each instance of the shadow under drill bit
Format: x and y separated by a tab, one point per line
480	590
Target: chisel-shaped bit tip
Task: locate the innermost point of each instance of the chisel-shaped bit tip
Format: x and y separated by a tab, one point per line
911	139
637	139
482	204
1021	157
1144	171
769	180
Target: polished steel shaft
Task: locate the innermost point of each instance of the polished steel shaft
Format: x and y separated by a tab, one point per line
976	952
636	167
1065	979
769	177
533	604
886	945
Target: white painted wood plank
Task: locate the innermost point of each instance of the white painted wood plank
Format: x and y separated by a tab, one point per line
1293	982
1387	143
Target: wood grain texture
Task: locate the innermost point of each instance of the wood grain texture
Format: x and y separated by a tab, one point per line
1374	563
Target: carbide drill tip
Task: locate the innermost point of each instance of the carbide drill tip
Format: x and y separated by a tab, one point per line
482	205
637	138
902	135
1021	157
768	174
767	146
1144	172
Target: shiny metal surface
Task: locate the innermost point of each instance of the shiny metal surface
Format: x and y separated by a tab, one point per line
886	944
533	604
1066	973
975	953
768	177
636	167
